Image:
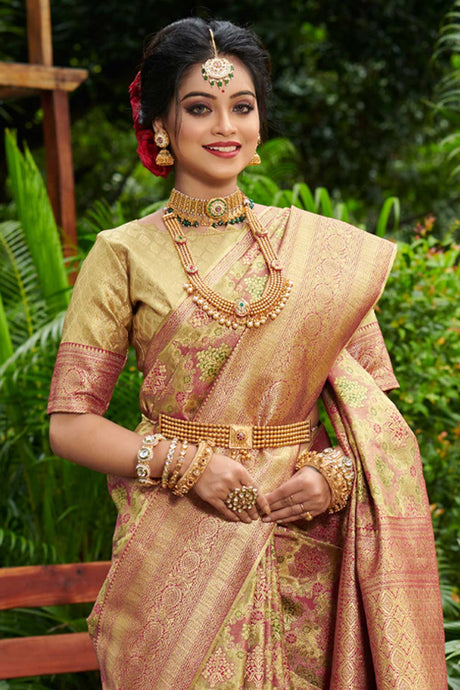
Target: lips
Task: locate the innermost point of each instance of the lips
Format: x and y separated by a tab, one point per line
227	148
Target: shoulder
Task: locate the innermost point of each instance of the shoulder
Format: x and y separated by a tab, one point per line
125	234
130	238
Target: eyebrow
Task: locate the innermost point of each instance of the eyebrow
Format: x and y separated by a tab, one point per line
202	94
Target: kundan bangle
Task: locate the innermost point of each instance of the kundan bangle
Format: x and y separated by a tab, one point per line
195	470
169	457
144	455
337	470
180	460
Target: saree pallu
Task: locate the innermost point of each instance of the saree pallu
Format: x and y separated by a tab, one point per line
192	601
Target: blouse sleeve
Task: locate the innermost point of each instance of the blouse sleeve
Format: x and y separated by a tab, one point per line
96	332
368	347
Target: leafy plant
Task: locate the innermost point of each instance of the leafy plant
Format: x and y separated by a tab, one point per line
447	92
420	318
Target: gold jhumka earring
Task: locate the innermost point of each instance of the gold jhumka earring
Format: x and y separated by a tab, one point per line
217	70
164	157
255	160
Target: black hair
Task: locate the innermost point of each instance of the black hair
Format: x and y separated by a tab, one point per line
174	49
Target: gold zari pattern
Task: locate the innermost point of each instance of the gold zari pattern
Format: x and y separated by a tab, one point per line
347	600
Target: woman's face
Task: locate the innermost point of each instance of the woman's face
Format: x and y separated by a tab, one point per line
213	131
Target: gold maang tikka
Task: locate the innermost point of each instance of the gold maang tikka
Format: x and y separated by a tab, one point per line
217	70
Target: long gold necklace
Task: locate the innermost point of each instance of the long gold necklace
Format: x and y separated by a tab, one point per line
238	312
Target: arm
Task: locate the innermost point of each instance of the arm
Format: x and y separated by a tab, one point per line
95	442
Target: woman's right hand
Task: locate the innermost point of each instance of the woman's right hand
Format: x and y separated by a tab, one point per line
222	475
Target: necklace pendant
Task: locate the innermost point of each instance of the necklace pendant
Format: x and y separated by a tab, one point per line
241	307
216	208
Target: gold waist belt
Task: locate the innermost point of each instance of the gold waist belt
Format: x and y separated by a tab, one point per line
236	435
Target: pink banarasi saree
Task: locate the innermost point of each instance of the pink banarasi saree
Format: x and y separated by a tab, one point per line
348	601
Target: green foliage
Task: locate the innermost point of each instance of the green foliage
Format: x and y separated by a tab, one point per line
356	109
420	319
37	221
447	93
265	190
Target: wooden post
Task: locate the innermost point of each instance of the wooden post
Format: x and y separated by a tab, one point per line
53	84
56	126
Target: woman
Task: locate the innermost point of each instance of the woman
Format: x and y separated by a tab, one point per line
240	559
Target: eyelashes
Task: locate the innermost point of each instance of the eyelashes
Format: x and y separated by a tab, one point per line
244	108
199	109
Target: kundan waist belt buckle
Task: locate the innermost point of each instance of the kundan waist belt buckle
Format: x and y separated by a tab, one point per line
236	436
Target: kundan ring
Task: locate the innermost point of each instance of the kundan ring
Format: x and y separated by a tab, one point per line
308	516
242	498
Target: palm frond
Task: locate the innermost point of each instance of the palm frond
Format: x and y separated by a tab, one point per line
6	346
25	307
12	542
36	218
447	91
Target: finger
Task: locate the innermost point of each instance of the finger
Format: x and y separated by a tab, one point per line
227	513
288	488
244	516
263	505
241	515
287	501
295	518
290	514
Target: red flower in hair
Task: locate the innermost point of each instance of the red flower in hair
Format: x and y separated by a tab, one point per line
147	149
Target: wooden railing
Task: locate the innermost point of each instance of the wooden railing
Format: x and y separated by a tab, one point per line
51	585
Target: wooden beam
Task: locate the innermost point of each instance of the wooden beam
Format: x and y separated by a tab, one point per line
35	656
39	32
41	76
11	93
51	585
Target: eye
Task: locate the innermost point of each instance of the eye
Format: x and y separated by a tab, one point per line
243	108
197	109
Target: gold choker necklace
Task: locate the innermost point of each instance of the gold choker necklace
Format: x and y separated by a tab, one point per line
227	312
216	212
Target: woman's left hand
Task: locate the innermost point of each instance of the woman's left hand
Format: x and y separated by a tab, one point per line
305	495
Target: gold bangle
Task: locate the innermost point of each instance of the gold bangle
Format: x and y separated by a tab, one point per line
144	455
169	457
180	460
195	470
337	470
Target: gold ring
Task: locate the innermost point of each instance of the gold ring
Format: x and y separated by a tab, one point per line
302	509
308	516
242	498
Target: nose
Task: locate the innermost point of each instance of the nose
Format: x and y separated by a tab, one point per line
224	124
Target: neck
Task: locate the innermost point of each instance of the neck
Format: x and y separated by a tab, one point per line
204	189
